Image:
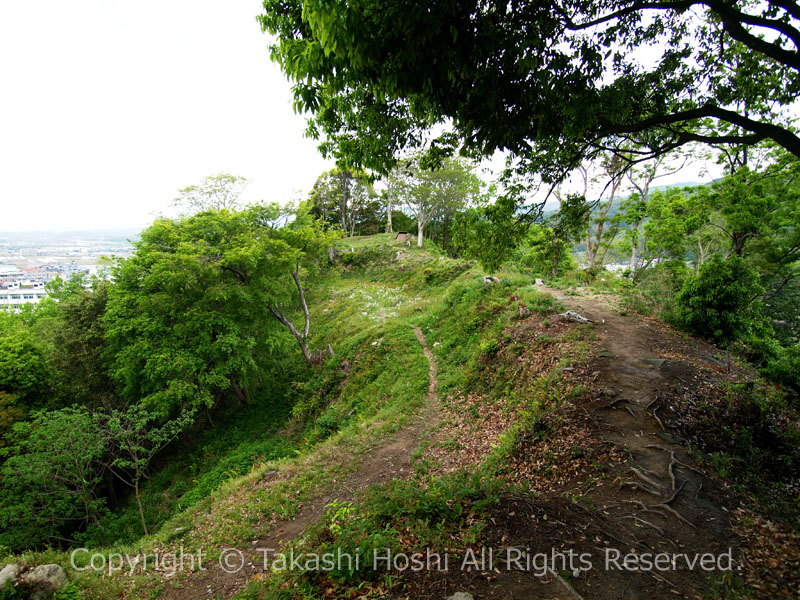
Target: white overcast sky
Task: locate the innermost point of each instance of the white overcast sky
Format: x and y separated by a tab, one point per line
107	108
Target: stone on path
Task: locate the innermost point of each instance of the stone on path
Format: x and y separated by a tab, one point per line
44	581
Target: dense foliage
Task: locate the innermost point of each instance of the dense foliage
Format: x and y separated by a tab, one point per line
551	82
97	382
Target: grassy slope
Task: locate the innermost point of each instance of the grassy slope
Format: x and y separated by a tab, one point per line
209	493
464	320
366	307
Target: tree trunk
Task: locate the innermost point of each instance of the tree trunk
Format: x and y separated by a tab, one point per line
420	233
111	491
296	277
139	504
635	246
701	253
240	394
344	200
300	337
297	335
388	213
556	254
590	252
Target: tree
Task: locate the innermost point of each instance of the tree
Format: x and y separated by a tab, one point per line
435	193
10	413
309	242
25	372
564	228
216	192
612	171
745	206
79	351
203	301
180	326
546	252
393	195
554	82
677	225
634	208
134	436
50	478
344	195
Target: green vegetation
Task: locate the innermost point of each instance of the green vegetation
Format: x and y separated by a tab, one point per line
551	83
467	323
245	361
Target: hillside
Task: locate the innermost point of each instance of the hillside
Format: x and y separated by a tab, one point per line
461	415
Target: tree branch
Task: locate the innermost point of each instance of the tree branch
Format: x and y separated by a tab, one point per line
783	137
732	21
300	339
790	7
296	277
623	12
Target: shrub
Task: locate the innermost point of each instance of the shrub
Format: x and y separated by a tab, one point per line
719	302
50	478
785	367
656	289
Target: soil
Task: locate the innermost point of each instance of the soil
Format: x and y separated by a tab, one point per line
654	500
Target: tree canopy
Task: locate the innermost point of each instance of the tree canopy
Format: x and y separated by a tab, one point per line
193	312
553	82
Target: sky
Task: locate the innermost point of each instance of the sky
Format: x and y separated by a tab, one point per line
108	108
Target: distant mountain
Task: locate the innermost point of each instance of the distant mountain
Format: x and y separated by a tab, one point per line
552	208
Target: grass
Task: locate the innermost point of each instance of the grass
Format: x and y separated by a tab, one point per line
264	462
245	437
465	322
261	463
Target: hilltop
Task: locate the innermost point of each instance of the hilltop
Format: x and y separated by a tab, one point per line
461	414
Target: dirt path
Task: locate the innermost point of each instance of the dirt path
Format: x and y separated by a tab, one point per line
390	460
671	505
656	500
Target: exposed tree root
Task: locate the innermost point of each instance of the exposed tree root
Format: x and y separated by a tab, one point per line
648	480
657	418
671	470
677	515
566	585
657	447
643	522
675	494
615	402
635	485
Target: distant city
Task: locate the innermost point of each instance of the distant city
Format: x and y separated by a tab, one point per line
31	260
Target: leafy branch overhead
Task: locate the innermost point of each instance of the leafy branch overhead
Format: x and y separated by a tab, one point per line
552	82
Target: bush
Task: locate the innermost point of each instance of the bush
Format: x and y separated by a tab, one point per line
544	254
719	302
656	289
50	478
785	367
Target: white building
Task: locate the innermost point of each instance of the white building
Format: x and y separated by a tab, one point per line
19	293
9	273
